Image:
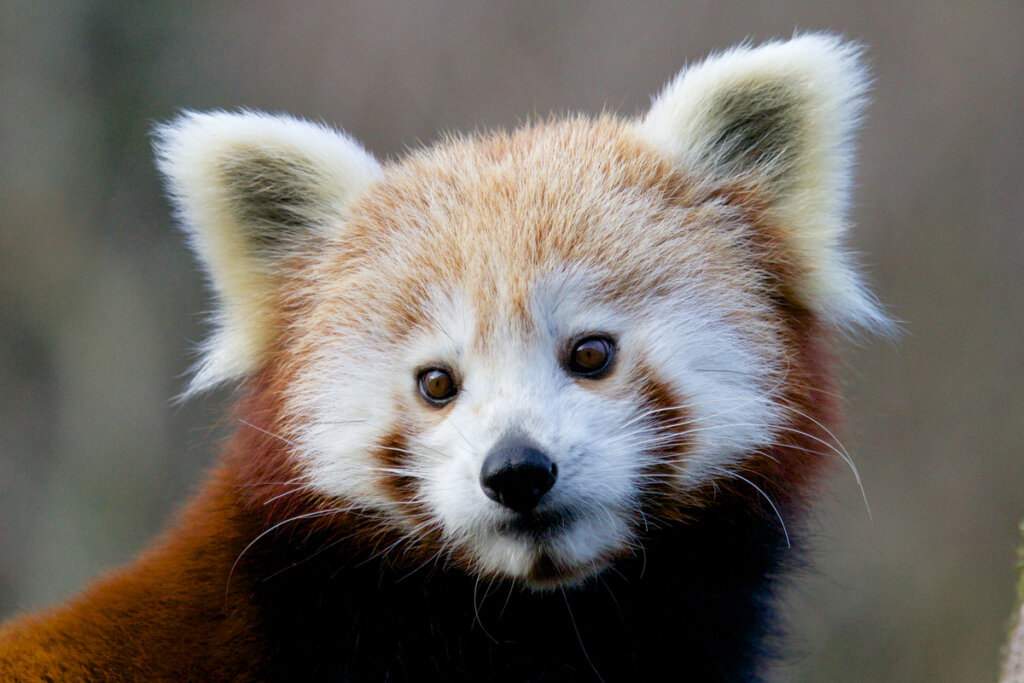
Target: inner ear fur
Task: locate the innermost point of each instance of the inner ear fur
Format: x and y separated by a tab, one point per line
275	199
758	132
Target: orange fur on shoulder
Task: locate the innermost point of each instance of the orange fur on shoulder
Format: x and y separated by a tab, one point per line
169	616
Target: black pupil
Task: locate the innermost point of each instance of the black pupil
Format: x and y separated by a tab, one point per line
590	355
437	384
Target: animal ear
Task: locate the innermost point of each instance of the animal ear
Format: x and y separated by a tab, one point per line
780	116
253	191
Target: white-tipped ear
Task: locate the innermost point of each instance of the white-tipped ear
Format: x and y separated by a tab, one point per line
781	115
253	190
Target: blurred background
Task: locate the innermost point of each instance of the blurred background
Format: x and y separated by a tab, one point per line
101	304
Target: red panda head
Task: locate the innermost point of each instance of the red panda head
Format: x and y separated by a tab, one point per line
516	352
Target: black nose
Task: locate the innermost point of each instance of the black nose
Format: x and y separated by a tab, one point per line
517	475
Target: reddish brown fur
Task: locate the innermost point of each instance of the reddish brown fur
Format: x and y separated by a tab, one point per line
169	616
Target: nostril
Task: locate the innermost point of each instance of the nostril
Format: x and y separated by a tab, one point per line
517	475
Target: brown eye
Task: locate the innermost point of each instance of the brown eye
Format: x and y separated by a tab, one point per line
591	357
437	386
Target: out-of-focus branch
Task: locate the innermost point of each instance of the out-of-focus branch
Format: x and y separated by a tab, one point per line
1013	664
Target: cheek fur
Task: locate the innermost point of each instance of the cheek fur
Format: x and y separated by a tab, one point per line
666	439
396	478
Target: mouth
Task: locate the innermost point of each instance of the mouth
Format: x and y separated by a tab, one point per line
538	527
546	533
551	547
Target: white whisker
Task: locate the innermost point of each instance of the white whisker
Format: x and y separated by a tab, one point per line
264	431
757	488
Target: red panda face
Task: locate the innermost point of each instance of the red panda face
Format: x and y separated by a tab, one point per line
523	346
516	352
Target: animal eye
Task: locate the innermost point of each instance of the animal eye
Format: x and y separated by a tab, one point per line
591	357
437	386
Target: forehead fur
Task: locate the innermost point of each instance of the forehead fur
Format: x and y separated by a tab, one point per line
490	217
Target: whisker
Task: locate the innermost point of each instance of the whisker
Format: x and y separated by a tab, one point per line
836	446
757	488
428	454
477	604
687	406
322	549
309	515
687	420
271	483
286	493
264	431
583	647
463	436
845	455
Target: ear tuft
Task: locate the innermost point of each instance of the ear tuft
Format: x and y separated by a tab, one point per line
253	190
781	115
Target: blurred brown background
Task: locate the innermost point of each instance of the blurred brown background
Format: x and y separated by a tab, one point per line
100	304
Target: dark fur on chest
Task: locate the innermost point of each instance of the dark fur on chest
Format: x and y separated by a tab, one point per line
694	605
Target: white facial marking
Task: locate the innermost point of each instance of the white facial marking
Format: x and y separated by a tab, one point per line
598	432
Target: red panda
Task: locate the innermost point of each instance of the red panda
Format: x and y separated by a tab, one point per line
543	405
